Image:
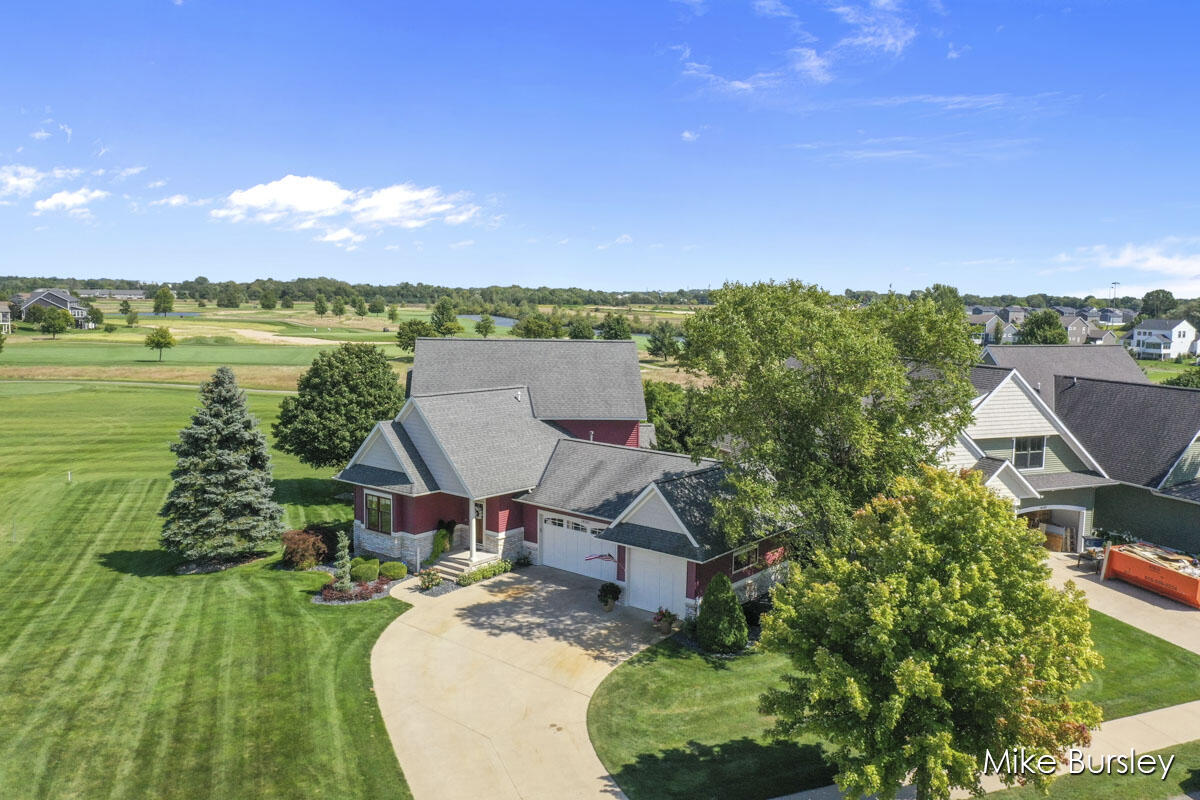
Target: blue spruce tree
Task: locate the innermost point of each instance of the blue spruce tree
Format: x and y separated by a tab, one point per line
220	505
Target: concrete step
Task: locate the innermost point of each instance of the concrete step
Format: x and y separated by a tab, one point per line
454	564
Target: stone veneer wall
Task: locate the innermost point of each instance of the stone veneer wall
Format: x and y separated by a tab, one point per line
406	547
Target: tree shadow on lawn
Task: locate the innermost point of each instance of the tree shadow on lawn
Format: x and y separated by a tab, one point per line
306	491
744	768
140	563
679	646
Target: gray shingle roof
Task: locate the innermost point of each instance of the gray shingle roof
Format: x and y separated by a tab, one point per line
1054	481
985	378
567	379
1135	430
491	437
1159	324
386	479
1183	491
989	466
600	480
1039	363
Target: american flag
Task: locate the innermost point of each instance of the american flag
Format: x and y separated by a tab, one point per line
600	557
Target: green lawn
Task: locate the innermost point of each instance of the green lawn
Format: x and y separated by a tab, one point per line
671	723
1159	371
91	352
119	679
1183	779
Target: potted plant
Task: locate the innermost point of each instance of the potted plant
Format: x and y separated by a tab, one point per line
608	595
664	619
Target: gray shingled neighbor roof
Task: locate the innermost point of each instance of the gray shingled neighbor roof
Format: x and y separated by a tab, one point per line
1039	363
415	477
986	378
600	480
989	466
567	379
1135	430
690	496
1158	324
1055	481
491	437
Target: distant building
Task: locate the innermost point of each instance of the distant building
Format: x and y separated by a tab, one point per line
1013	314
1077	329
56	298
5	318
1163	339
115	294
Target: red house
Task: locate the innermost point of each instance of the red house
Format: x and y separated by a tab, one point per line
532	446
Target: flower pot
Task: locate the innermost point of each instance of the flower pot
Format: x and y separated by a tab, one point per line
664	627
608	604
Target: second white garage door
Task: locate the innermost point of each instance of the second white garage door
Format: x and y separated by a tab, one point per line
655	580
566	543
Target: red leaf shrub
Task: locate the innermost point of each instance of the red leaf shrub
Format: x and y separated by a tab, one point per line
303	549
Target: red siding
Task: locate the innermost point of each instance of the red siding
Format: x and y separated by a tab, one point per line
770	551
360	512
422	513
503	514
398	512
621	431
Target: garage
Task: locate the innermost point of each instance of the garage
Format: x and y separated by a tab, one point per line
656	580
571	544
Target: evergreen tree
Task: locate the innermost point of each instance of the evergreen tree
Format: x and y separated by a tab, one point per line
341	564
320	306
445	318
125	307
664	341
721	625
220	505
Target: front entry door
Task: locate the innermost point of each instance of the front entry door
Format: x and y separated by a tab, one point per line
478	522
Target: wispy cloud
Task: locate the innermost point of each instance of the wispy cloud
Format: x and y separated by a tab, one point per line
725	85
938	151
1170	263
880	26
74	203
464	243
809	63
177	200
772	8
67	130
954	52
624	238
129	172
158	184
689	136
40	135
302	202
697	7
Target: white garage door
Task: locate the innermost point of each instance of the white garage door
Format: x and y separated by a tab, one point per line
567	543
655	580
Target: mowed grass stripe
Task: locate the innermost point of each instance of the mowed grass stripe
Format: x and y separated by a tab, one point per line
120	679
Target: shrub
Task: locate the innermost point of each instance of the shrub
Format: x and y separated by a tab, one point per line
523	559
354	562
721	625
365	572
609	592
441	543
483	573
109	327
429	578
303	549
393	570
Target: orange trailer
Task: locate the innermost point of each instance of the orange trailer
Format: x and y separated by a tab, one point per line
1157	576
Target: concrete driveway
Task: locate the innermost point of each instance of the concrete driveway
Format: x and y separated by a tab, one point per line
485	690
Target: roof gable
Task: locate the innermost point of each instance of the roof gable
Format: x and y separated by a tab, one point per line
566	379
1039	363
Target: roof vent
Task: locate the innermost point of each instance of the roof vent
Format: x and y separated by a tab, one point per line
1038	387
518	395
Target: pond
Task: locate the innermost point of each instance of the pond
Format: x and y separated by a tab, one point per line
171	314
501	322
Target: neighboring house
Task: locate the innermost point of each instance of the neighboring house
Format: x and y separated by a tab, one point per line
1039	363
1146	437
534	446
1089	314
983	327
1163	339
1029	456
982	309
57	298
5	318
1112	316
1128	315
115	294
1013	314
1064	311
1077	329
1102	336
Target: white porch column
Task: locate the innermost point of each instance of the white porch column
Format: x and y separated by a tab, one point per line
471	525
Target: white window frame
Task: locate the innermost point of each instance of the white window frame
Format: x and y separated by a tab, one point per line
1028	468
753	548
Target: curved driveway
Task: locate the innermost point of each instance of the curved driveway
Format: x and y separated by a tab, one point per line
485	690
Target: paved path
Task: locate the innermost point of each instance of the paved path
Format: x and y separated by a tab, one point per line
1152	730
485	690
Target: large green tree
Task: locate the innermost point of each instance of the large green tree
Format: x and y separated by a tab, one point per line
377	305
822	402
341	397
1158	303
320	306
1189	378
220	504
410	330
536	325
580	327
663	341
615	326
338	305
160	339
928	636
1044	327
164	300
444	318
485	325
668	408
267	300
56	321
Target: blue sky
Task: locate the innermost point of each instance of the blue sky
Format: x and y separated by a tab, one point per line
999	146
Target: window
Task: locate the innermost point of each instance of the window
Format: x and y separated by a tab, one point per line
1029	452
555	521
575	526
745	558
379	513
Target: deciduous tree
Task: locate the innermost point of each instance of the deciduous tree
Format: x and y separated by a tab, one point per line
615	326
1044	327
56	321
164	300
160	339
536	325
338	306
267	300
125	308
221	505
393	313
485	325
668	408
927	637
663	341
410	330
823	402
580	328
341	397
360	306
1158	303
377	305
320	306
131	319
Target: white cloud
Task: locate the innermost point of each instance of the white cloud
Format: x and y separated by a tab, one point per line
341	236
956	52
67	130
75	202
392	247
65	173
40	135
19	179
772	8
811	64
697	7
158	184
689	136
878	26
129	172
624	238
300	202
743	86
563	241
177	200
462	244
1171	263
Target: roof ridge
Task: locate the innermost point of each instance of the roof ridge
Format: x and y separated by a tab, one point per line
577	440
1130	383
713	468
471	391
